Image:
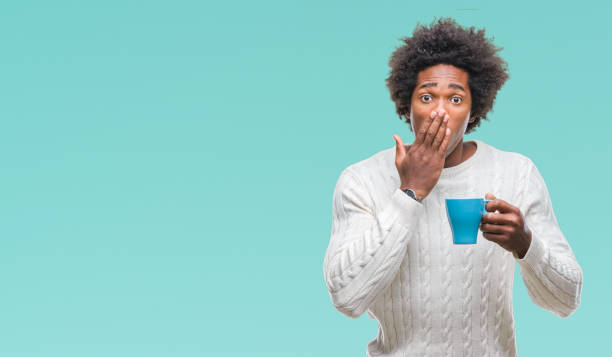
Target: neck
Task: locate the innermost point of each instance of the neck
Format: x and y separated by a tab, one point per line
458	155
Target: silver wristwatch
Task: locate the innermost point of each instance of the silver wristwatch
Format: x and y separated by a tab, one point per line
411	193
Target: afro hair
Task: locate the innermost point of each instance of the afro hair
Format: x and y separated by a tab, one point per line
445	42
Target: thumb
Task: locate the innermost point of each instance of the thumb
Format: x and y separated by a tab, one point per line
400	149
490	195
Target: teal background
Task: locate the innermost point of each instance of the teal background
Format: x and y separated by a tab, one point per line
167	168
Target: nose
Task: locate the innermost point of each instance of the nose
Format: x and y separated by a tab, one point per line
440	109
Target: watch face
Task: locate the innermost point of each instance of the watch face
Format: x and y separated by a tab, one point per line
411	193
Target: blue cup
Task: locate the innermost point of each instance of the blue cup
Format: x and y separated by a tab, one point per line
464	215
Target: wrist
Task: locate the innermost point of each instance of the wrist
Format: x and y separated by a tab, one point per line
417	195
521	252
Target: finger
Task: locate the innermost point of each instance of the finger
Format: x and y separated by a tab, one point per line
489	196
495	238
420	138
444	145
499	218
433	129
494	228
502	206
441	132
400	149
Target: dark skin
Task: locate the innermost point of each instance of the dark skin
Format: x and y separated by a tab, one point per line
506	228
449	96
441	103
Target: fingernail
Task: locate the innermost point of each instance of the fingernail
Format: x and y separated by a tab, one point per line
432	115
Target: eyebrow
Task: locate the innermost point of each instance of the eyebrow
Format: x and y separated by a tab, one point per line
434	84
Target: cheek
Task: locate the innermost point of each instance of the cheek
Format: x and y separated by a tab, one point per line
456	136
458	128
455	130
412	123
465	122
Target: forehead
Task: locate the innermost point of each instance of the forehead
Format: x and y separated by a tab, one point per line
443	72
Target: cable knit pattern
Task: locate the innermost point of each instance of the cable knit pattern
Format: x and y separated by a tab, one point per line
509	344
488	269
383	269
485	295
405	303
501	292
499	309
445	279
393	257
466	322
425	265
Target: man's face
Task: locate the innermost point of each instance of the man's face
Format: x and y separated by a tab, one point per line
445	87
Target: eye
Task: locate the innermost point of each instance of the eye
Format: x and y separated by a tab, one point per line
426	95
457	102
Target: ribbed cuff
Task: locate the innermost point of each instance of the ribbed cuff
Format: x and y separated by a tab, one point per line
408	207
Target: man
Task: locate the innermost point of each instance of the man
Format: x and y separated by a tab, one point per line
391	251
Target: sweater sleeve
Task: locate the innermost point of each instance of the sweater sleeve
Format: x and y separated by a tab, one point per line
366	246
549	268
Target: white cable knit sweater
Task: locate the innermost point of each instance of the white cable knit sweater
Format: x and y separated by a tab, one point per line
394	258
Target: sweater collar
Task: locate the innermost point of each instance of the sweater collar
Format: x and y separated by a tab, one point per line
470	162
